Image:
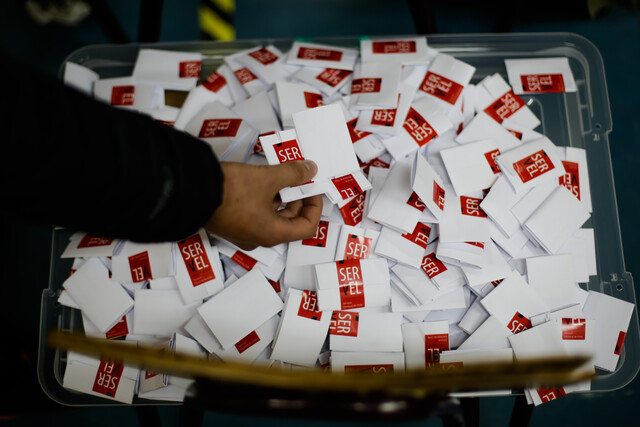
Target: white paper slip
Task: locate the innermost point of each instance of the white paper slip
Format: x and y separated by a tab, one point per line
105	380
265	62
101	299
556	220
403	50
423	343
168	67
85	245
249	82
161	313
483	127
240	308
135	262
258	112
553	278
471	167
353	283
462	219
531	200
122	328
80	77
121	92
473	317
199	331
428	185
582	246
445	80
405	248
574	311
366	145
293	97
491	334
320	55
495	98
302	330
356	243
497	205
538	342
253	344
365	331
261	254
469	254
214	88
375	86
495	267
366	362
576	177
513	244
328	80
385	121
540	75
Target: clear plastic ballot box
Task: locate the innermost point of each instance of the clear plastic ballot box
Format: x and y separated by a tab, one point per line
579	119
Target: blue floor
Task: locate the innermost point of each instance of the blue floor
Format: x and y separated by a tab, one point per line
616	35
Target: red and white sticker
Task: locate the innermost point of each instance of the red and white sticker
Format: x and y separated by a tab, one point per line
497	282
384	117
118	330
621	336
344	323
432	266
549	394
476	244
358	247
107	378
441	87
470	206
415	202
244	260
219	128
519	323
189	69
515	133
399	46
351	285
573	329
320	238
366	85
196	260
332	76
352	212
90	241
319	54
263	56
369	369
434	344
571	178
542	83
309	306
347	186
356	134
123	95
257	147
419	129
288	151
419	235
275	284
140	267
533	166
214	82
245	343
313	100
504	107
438	195
491	159
244	75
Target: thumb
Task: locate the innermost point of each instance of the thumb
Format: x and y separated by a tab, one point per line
294	173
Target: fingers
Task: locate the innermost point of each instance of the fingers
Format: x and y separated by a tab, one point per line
293	173
303	225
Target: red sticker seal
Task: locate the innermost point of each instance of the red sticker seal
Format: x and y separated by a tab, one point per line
441	87
140	267
573	329
190	69
419	235
196	260
571	179
432	266
352	212
319	54
219	128
519	323
358	247
244	260
245	343
215	82
491	159
244	75
107	378
344	323
91	241
438	195
356	134
542	83
350	283
123	95
533	166
320	238
366	85
470	206
263	56
418	128
399	46
347	186
332	76
504	107
309	306
313	100
434	344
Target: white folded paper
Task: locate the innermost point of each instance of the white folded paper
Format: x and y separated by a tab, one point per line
294	97
496	98
320	55
491	334
365	331
404	50
134	262
405	248
429	187
471	167
252	345
387	121
576	177
105	380
462	219
178	69
265	62
445	80
161	312
356	243
423	343
85	245
375	86
214	88
540	75
80	77
553	278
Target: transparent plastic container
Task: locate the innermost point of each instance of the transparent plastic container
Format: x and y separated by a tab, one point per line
581	119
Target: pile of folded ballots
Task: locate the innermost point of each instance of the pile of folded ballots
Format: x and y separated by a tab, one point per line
452	233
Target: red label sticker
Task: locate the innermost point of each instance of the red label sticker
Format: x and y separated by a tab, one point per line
515	133
275	284
215	82
264	56
257	147
441	87
245	343
414	201
383	117
140	267
347	186
313	100
573	329
350	284
319	54
491	159
244	75
352	211
333	77
419	235
519	323
419	129
288	151
344	323
504	107
496	282
189	69
432	266
244	260
476	244
438	195
470	206
355	134
107	378
196	260
118	330
571	178
320	238
309	306
358	247
368	369
619	343
123	95
399	46
434	344
549	394
539	83
218	128
366	85
90	241
533	166
378	163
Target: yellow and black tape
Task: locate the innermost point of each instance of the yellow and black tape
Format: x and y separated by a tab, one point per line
216	19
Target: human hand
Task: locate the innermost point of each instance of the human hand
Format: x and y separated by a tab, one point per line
248	215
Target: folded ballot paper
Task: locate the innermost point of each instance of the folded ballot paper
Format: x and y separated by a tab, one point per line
452	231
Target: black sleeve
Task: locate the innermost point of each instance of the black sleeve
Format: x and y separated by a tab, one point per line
71	161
